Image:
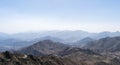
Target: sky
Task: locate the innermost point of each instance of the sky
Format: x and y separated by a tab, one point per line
38	15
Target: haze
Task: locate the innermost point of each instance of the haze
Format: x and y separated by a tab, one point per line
38	15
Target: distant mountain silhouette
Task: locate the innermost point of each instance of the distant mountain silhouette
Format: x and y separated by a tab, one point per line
67	35
4	36
15	41
106	34
83	42
55	39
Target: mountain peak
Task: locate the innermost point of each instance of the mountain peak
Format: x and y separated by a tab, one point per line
45	47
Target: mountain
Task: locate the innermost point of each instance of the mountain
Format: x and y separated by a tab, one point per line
20	40
55	39
75	55
83	42
4	36
3	48
89	57
67	35
44	47
111	44
80	56
74	50
105	34
14	43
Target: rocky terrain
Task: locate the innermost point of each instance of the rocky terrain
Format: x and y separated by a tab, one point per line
45	47
108	44
7	58
76	58
99	52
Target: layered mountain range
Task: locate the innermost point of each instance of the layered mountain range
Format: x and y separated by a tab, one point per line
48	52
98	49
78	38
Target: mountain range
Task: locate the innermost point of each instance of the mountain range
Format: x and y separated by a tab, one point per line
54	53
103	51
111	44
77	38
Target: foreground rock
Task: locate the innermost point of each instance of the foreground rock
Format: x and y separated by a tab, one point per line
7	58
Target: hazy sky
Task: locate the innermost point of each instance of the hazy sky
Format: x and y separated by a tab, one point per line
37	15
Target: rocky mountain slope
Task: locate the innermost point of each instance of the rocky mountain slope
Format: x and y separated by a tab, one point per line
108	44
45	47
48	52
72	55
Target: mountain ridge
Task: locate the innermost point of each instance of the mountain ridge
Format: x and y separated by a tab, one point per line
111	44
